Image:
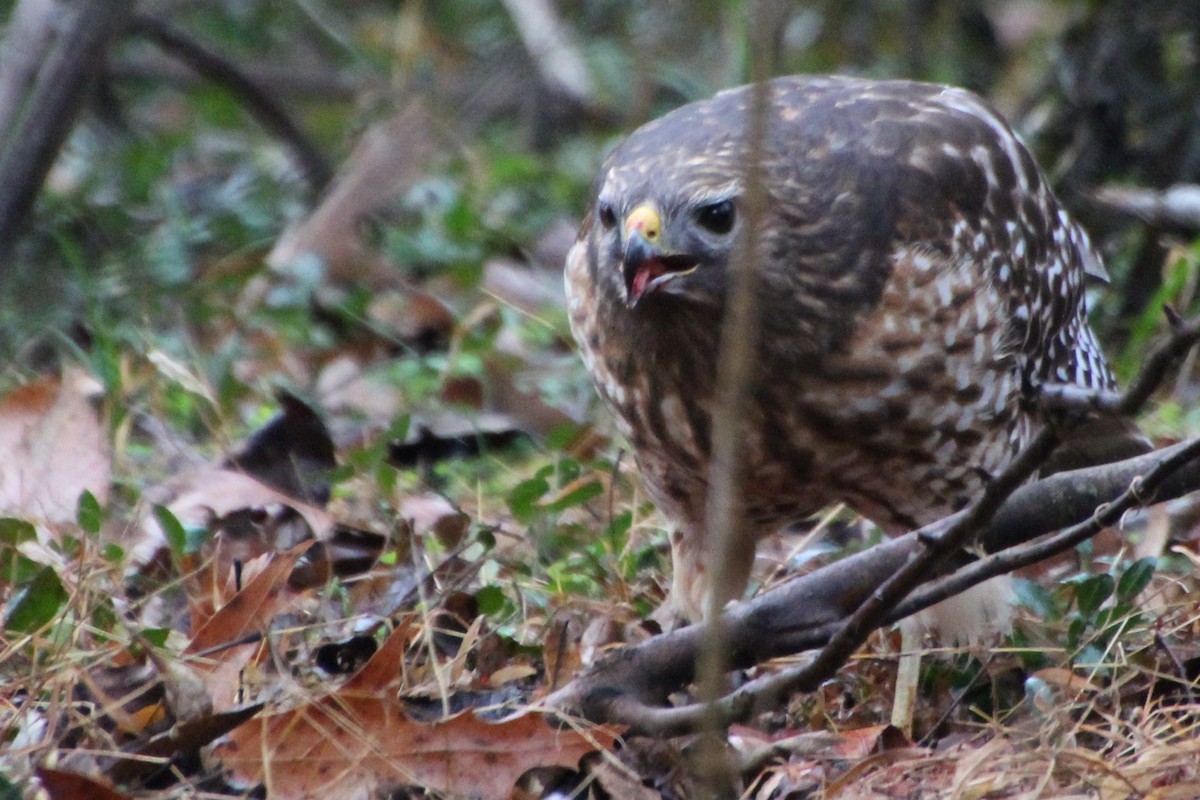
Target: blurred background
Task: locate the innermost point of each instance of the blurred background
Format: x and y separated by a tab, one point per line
230	181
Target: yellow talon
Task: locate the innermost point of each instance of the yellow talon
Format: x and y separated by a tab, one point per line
645	220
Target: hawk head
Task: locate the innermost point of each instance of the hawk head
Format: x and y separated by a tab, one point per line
679	248
667	213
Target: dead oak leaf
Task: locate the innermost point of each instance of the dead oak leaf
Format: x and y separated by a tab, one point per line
352	742
53	447
249	612
349	745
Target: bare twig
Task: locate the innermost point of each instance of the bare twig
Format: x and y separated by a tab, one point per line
270	114
295	81
724	527
1141	492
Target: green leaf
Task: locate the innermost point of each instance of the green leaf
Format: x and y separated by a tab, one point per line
1035	597
88	513
577	496
172	529
568	470
157	636
522	500
490	600
1075	631
1091	592
1136	578
8	791
14	567
36	603
618	530
487	538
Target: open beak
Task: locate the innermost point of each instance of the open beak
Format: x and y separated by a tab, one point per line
644	265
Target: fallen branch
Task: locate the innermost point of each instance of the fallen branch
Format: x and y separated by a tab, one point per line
837	607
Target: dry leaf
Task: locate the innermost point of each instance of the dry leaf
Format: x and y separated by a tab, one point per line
61	785
53	448
250	611
198	496
359	739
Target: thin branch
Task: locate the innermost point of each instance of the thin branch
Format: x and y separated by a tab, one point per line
723	524
1161	361
261	105
295	81
1141	492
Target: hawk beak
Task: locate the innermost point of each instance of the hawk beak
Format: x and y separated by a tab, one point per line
644	265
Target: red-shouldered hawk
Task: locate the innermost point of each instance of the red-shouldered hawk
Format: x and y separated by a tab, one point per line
917	283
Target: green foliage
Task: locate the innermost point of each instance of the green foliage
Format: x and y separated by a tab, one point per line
1096	609
176	535
1147	327
15	568
523	499
89	515
157	637
491	600
36	603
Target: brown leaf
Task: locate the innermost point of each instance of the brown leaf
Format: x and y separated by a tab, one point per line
250	611
199	496
53	448
359	738
431	513
70	786
383	668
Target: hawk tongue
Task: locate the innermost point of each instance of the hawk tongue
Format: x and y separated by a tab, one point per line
647	271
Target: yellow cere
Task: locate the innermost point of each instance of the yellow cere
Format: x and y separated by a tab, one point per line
645	220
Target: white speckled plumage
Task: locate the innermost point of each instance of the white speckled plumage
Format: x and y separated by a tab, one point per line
917	282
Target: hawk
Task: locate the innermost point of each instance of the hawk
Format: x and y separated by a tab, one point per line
917	283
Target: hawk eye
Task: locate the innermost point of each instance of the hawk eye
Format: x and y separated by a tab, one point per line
608	217
716	217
